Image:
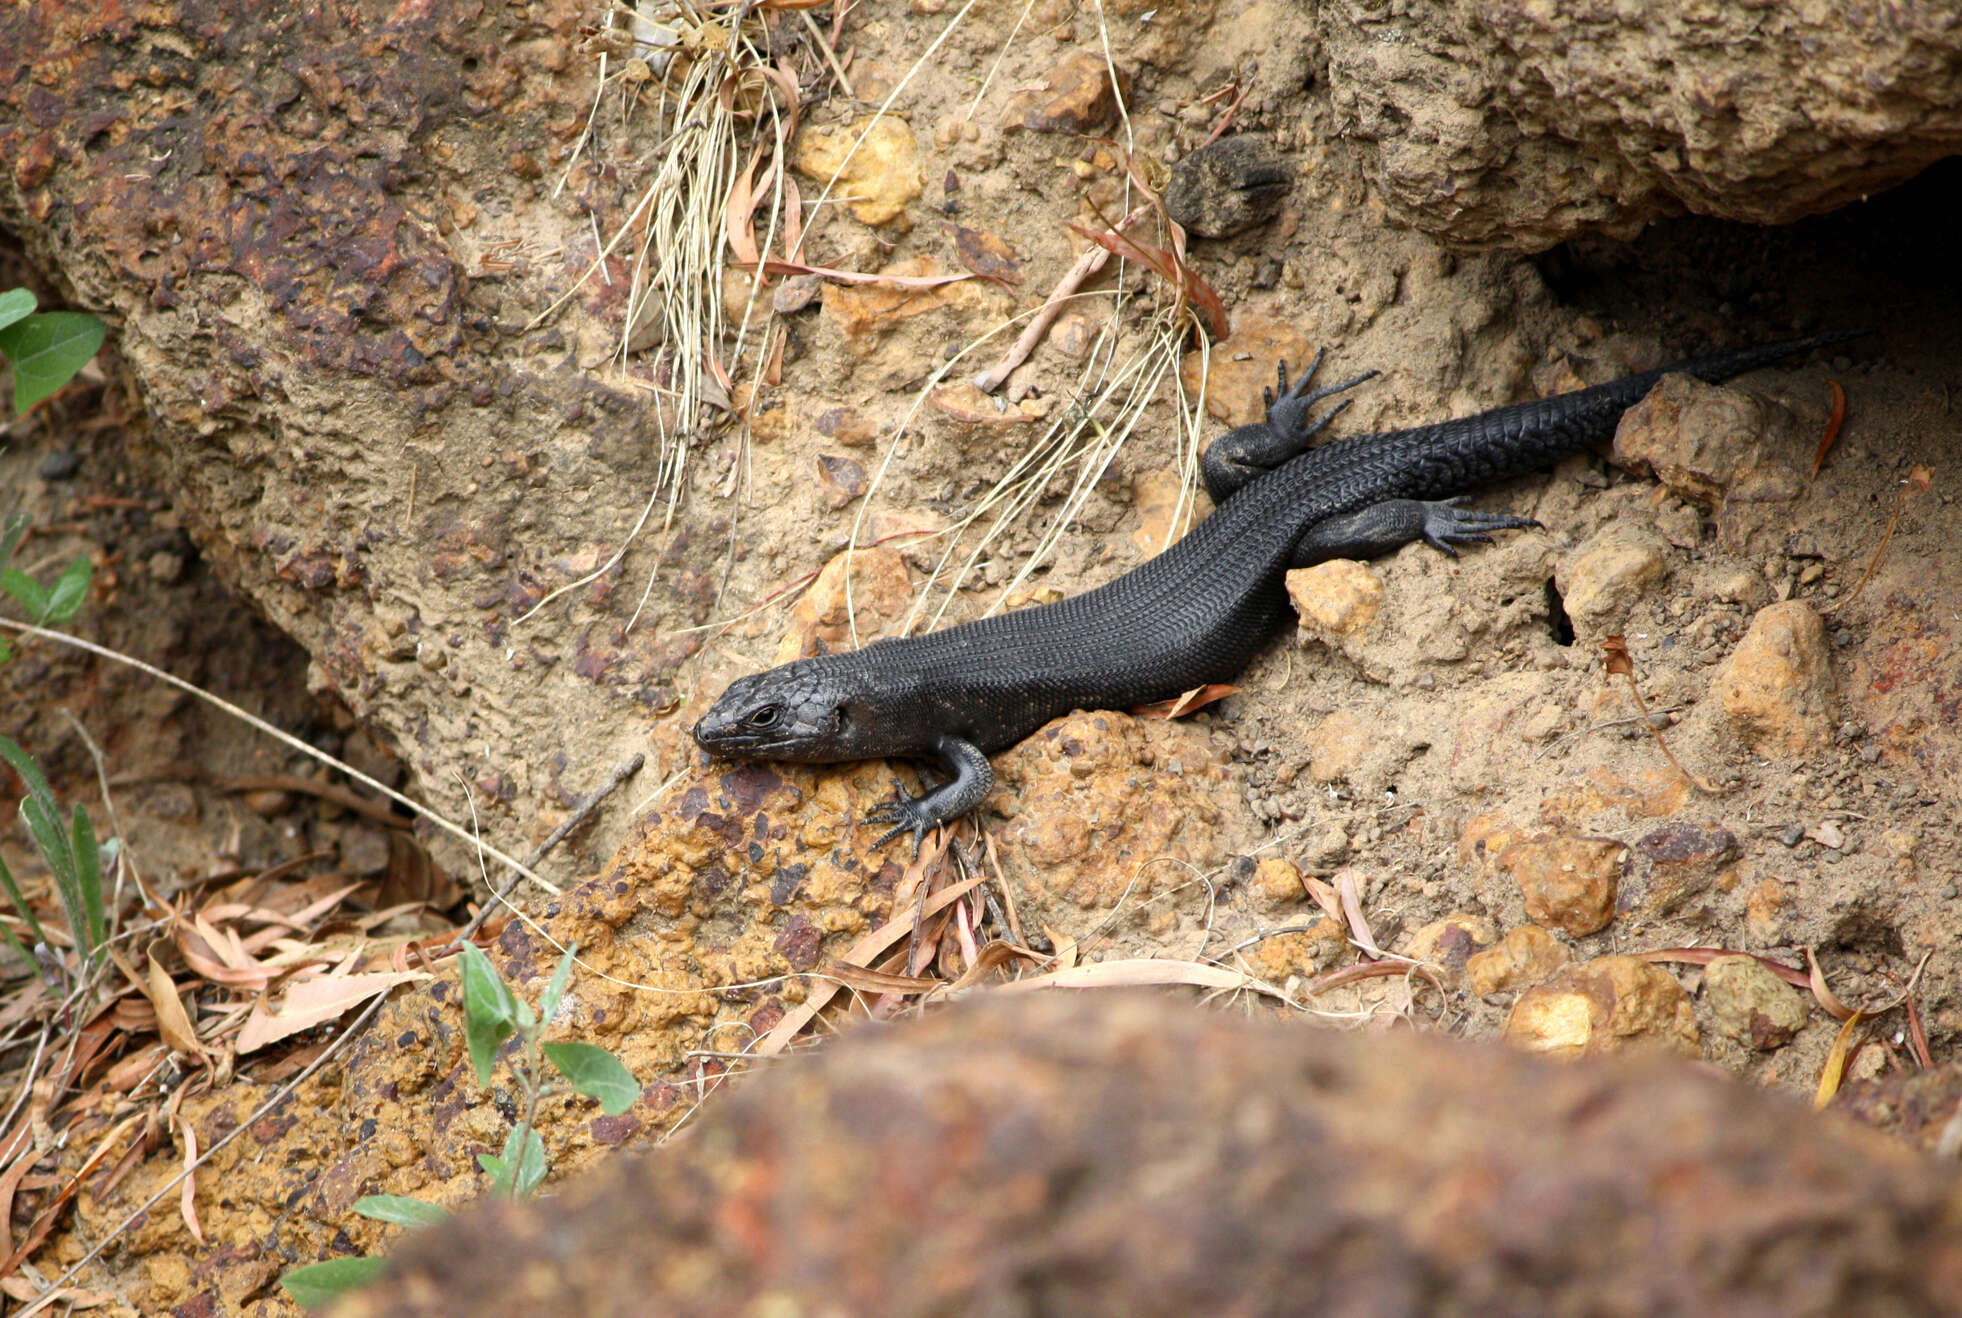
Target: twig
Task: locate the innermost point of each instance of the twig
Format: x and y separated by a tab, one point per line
1092	260
1615	650
622	771
286	739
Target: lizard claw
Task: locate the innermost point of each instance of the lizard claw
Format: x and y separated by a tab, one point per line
1447	522
905	814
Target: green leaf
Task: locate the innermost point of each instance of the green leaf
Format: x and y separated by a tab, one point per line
524	1152
6	651
548	1006
401	1210
15	304
489	1011
318	1285
52	840
65	600
596	1073
88	879
25	589
47	349
527	1019
500	1176
25	912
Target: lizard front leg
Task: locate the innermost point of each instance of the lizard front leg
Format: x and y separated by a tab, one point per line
973	778
1249	452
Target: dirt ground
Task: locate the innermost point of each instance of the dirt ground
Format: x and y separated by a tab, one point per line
1474	708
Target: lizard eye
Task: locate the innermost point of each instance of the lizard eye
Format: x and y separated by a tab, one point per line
765	717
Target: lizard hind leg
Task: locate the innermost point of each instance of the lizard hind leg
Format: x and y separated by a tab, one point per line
1249	452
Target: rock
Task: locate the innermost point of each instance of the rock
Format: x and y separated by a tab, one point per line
1340	745
59	464
1157	496
1077	97
1100	1154
1276	884
1698	439
1228	187
881	594
861	311
1777	685
1449	943
1526	956
1922	1108
840	479
1604	1005
1569	882
1767	908
1526	125
1681	860
1607	574
1338	598
848	426
882	176
1750	1005
1307	952
1104	808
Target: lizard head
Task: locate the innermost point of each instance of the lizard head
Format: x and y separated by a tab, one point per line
795	712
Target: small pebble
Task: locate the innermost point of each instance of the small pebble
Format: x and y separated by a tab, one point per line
60	464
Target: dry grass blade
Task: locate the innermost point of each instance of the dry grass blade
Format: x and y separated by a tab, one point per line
1835	1068
1703	956
1834	418
854	277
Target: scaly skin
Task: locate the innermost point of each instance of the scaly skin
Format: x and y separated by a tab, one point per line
1195	614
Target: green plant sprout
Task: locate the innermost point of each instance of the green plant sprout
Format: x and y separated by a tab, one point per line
45	347
492	1014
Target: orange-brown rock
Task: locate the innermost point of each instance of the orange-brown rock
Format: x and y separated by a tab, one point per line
1526	956
1569	883
1103	807
1235	370
1122	1155
879	596
1750	1005
1605	1005
1448	944
1336	598
874	160
1777	685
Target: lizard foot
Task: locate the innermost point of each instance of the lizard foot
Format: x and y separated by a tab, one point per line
1447	522
905	814
1287	411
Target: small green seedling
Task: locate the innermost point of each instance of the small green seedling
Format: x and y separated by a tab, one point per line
46	348
492	1015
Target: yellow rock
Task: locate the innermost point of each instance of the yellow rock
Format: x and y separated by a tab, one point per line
882	177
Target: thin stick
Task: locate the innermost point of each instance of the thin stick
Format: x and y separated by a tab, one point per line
622	771
284	738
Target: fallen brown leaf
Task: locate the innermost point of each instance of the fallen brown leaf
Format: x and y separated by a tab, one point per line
315	1001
